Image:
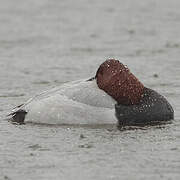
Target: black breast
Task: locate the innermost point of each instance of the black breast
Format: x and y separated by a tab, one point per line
152	109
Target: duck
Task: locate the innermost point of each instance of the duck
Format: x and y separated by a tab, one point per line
113	96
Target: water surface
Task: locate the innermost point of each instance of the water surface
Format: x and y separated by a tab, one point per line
46	43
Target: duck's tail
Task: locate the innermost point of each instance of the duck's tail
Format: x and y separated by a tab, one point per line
17	116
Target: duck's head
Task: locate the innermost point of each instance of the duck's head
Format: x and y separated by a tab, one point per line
117	81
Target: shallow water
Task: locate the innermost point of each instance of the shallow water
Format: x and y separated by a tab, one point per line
46	43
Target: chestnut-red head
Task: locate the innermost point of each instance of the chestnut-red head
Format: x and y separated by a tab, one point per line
117	81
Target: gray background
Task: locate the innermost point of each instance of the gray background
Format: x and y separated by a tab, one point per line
47	42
